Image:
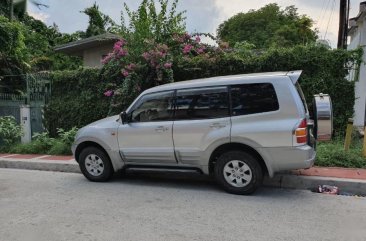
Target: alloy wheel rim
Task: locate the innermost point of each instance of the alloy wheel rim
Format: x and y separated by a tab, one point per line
237	173
94	165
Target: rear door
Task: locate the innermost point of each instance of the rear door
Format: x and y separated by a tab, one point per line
201	119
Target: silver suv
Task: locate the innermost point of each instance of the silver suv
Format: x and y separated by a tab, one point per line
236	128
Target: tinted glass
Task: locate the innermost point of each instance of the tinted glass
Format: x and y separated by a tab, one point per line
154	107
253	98
203	103
299	90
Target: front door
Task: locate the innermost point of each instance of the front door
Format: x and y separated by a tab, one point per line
147	138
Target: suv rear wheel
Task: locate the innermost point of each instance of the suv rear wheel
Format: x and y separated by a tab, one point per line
238	172
95	164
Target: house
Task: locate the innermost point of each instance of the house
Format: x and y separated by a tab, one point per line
92	49
357	34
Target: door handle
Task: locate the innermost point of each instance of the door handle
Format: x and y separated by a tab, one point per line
161	129
217	125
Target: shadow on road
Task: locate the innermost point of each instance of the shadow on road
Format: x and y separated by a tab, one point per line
193	182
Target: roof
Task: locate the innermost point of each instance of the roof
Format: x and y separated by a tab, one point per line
226	80
353	21
77	47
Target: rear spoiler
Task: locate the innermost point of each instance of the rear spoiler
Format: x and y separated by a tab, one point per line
294	75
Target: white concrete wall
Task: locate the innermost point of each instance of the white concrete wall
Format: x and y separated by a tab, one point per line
92	57
358	39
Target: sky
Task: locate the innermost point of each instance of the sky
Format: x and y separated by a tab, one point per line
202	15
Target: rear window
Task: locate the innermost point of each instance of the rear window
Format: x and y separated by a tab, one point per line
202	103
253	98
299	90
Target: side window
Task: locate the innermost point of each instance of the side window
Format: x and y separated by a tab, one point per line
253	98
202	103
154	107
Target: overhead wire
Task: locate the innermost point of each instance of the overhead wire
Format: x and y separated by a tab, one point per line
330	17
323	13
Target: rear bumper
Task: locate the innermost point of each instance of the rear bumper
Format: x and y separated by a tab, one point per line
290	158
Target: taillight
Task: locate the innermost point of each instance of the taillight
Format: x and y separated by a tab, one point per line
301	132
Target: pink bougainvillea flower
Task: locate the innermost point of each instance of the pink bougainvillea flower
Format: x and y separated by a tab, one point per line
116	47
107	58
125	73
168	65
162	54
146	55
201	50
109	93
120	43
198	39
187	36
122	52
131	66
187	48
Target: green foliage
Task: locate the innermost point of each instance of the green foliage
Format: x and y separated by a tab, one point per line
13	52
27	45
67	137
77	99
42	143
324	71
99	23
142	59
267	27
147	23
10	131
333	154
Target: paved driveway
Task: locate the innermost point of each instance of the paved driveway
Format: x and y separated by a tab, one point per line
36	205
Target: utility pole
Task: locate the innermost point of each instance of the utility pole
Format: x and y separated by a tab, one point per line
343	23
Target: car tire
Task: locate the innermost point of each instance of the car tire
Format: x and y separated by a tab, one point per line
238	172
95	164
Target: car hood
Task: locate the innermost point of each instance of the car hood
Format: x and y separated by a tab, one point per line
111	121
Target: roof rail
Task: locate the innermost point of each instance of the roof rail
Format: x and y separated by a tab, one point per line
294	75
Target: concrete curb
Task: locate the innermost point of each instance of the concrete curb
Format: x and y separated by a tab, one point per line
283	180
41	165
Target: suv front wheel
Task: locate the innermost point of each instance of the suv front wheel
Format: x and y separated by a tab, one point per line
95	164
238	172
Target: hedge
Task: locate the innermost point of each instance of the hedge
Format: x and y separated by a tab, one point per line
324	71
77	99
77	96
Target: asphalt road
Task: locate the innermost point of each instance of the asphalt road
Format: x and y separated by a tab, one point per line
37	205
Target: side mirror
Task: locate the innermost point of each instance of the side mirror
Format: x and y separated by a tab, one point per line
124	117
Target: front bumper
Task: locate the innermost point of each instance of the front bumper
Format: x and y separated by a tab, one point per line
73	149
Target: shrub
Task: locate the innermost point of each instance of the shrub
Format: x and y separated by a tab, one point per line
60	148
10	131
333	154
77	100
42	143
83	96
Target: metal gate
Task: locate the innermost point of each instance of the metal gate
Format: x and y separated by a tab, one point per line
35	92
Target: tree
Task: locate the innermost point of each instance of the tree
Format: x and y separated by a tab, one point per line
267	27
149	23
99	23
17	8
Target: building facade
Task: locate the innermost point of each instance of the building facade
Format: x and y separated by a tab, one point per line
92	50
357	34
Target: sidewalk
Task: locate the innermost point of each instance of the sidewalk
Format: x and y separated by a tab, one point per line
349	180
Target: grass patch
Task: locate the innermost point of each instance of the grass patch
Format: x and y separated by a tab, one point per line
332	154
55	147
